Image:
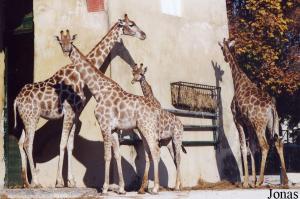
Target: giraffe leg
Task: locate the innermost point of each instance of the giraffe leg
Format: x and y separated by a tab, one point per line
177	163
279	147
264	151
23	160
116	148
67	125
146	173
244	152
70	147
273	126
253	169
107	158
155	153
148	133
29	148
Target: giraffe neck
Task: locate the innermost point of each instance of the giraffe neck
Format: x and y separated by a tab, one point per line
91	76
237	74
99	53
146	88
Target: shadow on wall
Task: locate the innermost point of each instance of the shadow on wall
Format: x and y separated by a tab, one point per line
91	153
226	162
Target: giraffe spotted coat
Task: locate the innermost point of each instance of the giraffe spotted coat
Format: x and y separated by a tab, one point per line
171	128
116	110
253	110
62	95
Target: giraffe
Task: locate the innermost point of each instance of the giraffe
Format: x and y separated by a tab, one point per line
254	109
116	110
62	95
171	128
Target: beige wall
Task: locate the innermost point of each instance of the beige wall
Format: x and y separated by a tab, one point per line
2	163
49	18
176	49
181	49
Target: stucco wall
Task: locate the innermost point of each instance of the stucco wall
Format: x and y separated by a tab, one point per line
2	163
181	48
176	49
49	18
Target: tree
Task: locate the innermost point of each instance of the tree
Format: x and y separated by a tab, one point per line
267	35
263	39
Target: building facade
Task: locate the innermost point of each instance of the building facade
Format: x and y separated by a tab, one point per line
181	44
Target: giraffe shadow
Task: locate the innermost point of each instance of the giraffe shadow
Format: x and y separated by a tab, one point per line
50	132
227	165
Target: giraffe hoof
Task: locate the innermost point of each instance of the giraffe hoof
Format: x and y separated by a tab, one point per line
121	191
141	191
285	182
59	185
252	185
104	191
35	185
71	183
26	185
245	185
258	184
154	192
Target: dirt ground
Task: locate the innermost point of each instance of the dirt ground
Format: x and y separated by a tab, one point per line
217	190
222	190
88	193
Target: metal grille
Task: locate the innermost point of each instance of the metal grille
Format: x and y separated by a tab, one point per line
195	97
12	158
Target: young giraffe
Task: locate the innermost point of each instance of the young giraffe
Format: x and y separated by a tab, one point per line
254	109
171	132
62	95
116	110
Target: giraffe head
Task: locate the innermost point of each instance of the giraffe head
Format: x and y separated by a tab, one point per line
66	41
138	73
226	47
128	27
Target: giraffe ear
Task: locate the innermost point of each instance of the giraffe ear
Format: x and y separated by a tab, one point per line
231	44
57	38
74	37
220	44
145	70
135	66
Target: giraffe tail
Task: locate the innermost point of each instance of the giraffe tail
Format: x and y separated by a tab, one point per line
183	149
15	113
275	124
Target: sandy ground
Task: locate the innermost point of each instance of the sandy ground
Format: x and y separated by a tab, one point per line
205	190
88	193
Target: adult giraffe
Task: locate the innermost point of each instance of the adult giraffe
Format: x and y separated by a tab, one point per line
62	95
116	110
254	109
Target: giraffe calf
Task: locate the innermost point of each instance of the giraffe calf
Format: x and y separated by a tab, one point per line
171	128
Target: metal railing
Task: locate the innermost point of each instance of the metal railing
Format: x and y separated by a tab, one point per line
214	116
